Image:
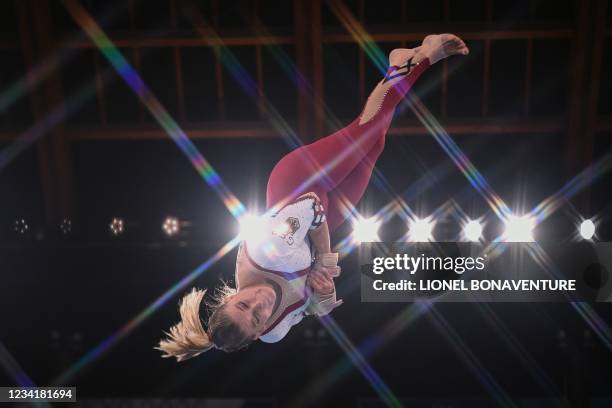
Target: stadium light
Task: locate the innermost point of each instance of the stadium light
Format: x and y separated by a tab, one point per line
171	226
251	227
21	226
587	229
420	230
472	231
366	229
66	226
117	226
519	229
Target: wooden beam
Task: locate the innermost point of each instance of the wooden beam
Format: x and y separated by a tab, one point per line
302	14
220	130
361	57
206	31
132	14
55	98
257	130
342	37
361	12
36	33
219	81
578	85
317	58
29	51
141	41
178	71
444	98
361	65
260	82
484	127
173	13
485	78
528	70
595	74
215	14
178	66
138	68
100	89
37	102
598	45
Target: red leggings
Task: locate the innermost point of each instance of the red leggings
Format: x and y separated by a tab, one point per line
338	167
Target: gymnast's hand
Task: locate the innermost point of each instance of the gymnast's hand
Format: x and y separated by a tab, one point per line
320	280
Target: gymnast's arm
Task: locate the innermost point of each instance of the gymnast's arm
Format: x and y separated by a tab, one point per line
320	279
319	238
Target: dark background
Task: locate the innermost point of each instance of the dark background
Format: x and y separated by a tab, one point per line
530	107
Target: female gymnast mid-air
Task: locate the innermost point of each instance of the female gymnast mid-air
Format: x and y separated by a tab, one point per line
287	271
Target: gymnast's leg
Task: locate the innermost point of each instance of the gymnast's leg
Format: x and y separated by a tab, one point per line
323	165
346	195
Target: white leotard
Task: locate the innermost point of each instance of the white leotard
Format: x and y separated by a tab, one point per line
283	243
281	252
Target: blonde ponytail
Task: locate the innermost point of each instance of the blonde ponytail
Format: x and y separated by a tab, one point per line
187	338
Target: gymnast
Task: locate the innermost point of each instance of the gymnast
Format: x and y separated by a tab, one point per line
287	271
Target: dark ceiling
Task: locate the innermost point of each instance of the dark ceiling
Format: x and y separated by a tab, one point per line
531	106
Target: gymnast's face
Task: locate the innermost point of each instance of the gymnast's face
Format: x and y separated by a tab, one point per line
251	308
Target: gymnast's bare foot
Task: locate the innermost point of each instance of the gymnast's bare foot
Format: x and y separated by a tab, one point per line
440	46
400	56
434	47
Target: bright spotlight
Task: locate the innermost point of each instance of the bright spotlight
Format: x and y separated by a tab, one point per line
117	226
366	229
519	229
587	229
21	226
252	227
472	231
171	226
66	226
420	230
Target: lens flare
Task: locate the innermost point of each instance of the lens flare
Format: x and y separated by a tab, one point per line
360	362
366	229
472	231
252	227
14	370
420	230
519	229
